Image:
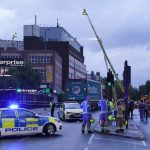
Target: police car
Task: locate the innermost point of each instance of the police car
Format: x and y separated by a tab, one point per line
70	111
21	121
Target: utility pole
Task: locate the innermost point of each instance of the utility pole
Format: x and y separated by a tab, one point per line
45	48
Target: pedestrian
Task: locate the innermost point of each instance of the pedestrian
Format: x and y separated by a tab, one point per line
146	113
86	116
52	107
131	108
120	116
141	110
103	115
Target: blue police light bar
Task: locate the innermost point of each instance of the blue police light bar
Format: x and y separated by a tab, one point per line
13	106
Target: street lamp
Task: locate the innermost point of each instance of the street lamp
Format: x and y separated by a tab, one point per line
46	30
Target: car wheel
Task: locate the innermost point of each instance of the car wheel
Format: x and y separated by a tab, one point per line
49	130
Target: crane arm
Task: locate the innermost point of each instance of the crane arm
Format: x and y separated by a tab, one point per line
104	52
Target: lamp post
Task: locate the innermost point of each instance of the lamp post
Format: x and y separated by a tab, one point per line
45	48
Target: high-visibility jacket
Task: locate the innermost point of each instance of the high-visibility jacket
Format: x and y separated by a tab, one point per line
120	110
111	105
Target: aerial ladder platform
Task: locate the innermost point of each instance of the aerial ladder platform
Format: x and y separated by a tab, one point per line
106	58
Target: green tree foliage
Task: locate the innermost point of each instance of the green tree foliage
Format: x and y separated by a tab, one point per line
144	89
133	93
24	77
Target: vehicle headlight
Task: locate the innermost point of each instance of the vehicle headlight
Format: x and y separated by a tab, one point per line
68	113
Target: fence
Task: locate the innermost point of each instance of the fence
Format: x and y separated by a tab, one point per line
26	100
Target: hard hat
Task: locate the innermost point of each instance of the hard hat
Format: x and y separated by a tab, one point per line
92	120
111	118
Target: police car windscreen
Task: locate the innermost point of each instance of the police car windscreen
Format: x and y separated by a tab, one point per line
72	106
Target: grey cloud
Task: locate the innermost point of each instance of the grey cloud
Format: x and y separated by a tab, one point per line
120	23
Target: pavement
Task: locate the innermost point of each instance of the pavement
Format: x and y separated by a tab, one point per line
133	130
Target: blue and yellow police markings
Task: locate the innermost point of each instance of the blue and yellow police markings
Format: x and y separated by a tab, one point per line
43	120
31	122
8	122
52	120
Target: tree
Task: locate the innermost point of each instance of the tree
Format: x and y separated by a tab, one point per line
144	89
24	77
147	87
133	93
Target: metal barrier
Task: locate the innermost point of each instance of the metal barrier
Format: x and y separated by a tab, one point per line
23	99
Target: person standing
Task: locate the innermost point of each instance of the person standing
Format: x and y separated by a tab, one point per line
52	107
86	116
141	110
131	108
146	113
103	114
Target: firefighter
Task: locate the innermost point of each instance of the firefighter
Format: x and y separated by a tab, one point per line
120	116
86	116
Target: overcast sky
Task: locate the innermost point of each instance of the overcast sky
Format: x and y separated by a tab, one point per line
123	25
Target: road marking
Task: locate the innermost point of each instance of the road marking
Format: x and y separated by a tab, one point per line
143	142
19	141
91	138
86	148
119	141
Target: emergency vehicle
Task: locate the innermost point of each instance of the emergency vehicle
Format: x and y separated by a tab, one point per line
21	121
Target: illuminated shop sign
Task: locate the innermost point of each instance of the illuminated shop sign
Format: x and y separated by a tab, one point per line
8	62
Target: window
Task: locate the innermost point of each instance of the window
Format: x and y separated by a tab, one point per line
25	114
42	71
48	59
36	59
33	59
42	59
8	114
72	106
